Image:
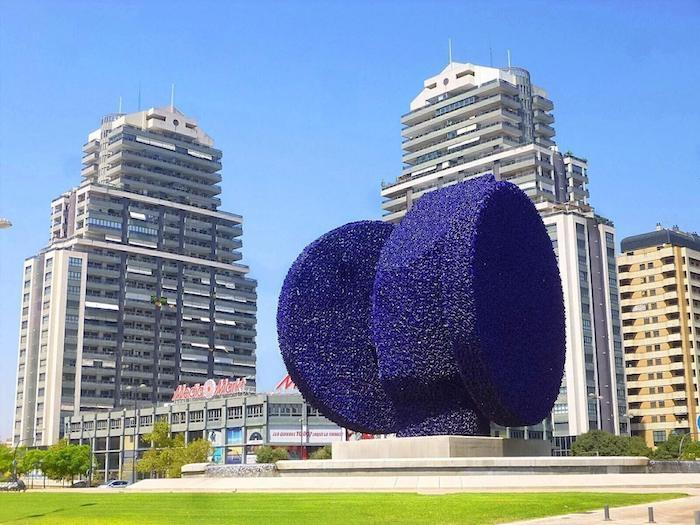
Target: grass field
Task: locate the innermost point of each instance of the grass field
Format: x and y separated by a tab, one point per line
98	507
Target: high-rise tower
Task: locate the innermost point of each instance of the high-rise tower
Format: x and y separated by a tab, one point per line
470	120
140	287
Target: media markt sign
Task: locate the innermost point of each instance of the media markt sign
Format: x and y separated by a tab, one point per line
209	389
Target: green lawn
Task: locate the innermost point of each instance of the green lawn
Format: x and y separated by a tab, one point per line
307	508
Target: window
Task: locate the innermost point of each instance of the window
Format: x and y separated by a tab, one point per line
178	417
114	225
284	409
659	436
115	424
234	412
102	424
196	416
75	261
133	228
560	408
146	421
214	414
254	410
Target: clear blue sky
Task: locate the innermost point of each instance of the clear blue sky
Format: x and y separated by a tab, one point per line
304	99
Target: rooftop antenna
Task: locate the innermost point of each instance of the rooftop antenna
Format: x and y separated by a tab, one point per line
120	105
139	97
490	56
172	97
449	50
509	59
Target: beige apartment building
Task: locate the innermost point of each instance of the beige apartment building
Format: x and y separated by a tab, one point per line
660	299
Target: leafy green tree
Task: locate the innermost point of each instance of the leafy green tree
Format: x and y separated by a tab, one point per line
668	449
160	437
31	460
169	453
196	451
637	447
266	454
691	450
322	453
64	461
599	443
7	455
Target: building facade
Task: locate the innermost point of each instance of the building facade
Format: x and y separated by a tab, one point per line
141	285
660	294
471	120
236	426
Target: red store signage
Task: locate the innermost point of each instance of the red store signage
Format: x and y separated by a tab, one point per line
209	389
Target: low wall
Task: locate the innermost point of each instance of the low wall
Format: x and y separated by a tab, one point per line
674	467
210	470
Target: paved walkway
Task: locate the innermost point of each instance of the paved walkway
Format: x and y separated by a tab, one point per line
680	511
433	484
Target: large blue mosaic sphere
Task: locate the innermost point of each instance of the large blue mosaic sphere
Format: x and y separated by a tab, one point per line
450	320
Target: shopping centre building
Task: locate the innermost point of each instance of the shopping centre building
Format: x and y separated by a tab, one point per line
237	422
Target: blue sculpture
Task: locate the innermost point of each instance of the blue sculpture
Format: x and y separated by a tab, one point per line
449	320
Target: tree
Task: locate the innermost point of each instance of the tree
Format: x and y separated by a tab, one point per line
196	451
638	447
600	443
266	454
168	454
668	450
322	453
64	461
691	450
31	460
6	457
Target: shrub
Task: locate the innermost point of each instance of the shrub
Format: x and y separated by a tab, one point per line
322	453
267	454
600	443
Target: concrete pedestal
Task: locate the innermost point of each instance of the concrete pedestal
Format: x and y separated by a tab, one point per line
431	447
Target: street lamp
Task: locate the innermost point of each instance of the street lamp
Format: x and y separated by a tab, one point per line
680	447
137	390
14	456
301	438
598	398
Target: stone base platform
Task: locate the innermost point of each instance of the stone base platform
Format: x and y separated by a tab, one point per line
425	447
463	466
